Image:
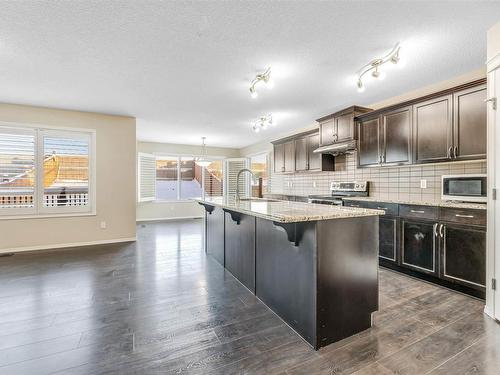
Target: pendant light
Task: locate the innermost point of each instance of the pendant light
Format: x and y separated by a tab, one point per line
202	161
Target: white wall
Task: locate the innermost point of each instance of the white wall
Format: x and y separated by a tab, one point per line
148	211
115	179
493	250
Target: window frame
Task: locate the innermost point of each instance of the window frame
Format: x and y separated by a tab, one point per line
38	211
179	157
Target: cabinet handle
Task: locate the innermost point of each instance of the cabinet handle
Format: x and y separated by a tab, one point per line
466	216
354	205
417	211
434	229
449	152
441	226
382	208
455	152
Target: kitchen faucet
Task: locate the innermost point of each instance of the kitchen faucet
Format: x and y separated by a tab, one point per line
237	194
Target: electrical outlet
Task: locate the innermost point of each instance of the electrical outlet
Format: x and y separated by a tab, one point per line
103	225
423	184
314	184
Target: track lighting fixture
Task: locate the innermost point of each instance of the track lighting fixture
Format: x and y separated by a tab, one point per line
263	123
375	65
261	77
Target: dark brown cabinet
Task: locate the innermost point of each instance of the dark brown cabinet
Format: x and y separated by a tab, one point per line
446	126
385	138
339	126
240	247
463	255
289	149
279	158
317	162
368	143
469	124
301	157
296	154
214	236
396	136
388	238
432	121
327	132
419	246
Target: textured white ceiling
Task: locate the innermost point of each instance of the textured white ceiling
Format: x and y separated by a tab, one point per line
183	68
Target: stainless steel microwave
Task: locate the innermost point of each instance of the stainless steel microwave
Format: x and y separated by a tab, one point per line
465	188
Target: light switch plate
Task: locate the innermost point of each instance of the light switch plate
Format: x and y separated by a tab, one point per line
103	225
423	184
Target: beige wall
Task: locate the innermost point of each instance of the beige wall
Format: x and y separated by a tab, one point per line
115	180
147	211
493	41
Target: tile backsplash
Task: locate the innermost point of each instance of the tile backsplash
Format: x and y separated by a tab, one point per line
385	182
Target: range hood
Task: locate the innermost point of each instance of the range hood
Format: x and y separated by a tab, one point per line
340	148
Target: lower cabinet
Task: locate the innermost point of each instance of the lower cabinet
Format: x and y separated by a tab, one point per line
442	245
463	255
388	235
419	247
214	245
240	247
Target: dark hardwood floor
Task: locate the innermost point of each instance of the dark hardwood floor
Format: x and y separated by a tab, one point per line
159	306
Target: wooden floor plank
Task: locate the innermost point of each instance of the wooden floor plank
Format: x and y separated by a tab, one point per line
160	306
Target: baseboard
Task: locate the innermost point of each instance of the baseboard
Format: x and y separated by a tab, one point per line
169	218
64	245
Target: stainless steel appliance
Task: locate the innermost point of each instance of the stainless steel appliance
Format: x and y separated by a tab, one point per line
464	188
341	190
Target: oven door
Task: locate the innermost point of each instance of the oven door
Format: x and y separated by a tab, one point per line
466	188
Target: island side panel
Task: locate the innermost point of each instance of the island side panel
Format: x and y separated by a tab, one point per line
347	277
240	247
286	274
214	222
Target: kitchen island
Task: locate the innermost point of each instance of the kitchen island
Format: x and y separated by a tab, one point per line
315	266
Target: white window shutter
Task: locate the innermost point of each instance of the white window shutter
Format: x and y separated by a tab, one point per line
232	167
147	177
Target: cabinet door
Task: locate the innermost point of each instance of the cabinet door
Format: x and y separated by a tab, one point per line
387	238
463	255
289	156
432	129
396	136
327	132
345	127
314	159
469	123
240	247
419	249
301	154
368	143
279	158
215	234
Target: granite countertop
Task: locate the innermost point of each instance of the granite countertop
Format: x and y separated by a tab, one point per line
289	212
450	204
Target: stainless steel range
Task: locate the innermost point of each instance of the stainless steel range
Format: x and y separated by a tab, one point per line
341	190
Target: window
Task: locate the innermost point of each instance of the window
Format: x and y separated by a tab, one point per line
167	178
45	171
259	167
191	178
214	186
170	178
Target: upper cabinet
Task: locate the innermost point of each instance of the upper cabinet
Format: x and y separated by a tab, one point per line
296	154
469	123
446	126
433	130
284	157
339	126
384	139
